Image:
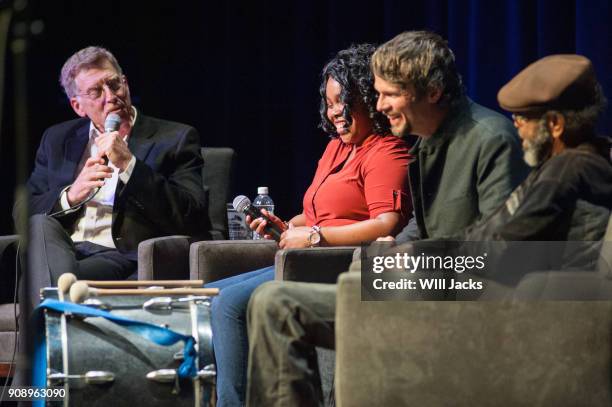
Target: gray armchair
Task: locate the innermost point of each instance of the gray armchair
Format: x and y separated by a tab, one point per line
168	257
466	353
211	261
214	260
316	265
548	344
8	246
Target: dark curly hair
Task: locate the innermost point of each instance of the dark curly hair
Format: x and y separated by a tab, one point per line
351	69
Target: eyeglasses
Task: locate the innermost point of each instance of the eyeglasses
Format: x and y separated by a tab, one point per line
114	84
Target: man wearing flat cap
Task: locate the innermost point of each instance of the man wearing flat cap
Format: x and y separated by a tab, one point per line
568	195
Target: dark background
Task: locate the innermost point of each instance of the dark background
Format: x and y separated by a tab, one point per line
246	74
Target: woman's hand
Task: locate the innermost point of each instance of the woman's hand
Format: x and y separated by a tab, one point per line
295	237
258	225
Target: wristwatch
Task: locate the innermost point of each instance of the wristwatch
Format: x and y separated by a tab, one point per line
314	238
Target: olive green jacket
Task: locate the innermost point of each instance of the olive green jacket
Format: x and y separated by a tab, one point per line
462	172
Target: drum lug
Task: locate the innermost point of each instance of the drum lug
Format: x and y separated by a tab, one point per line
96	303
203	300
208	373
56	378
158	304
91	377
168	303
162	375
99	377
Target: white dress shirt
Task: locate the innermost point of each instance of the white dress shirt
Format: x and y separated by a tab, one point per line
94	224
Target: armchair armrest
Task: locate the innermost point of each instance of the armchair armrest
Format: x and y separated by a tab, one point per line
348	303
313	265
214	260
8	250
6	242
164	258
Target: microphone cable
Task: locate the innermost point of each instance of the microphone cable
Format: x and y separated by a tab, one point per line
78	205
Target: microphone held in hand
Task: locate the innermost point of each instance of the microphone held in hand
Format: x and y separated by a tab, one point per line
112	123
243	204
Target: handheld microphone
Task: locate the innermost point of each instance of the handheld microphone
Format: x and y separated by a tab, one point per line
243	204
112	123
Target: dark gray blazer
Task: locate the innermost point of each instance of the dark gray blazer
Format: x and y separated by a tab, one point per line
463	172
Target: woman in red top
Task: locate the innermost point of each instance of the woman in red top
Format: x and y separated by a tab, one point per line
358	193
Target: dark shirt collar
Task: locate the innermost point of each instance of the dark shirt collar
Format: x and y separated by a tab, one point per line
455	116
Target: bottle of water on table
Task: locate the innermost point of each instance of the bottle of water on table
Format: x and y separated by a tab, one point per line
262	201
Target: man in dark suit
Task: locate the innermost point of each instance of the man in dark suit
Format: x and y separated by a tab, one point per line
95	195
146	177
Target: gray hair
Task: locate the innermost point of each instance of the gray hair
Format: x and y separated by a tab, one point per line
87	58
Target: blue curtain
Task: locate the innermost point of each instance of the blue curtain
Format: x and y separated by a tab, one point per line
492	42
246	74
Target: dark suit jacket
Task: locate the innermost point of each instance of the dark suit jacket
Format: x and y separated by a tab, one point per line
164	195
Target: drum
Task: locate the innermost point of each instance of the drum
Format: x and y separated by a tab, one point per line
101	363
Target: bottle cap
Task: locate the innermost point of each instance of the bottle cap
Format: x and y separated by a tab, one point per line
262	190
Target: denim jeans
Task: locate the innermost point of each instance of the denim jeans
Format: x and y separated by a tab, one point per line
230	342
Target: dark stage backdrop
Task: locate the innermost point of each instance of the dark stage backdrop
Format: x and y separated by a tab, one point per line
246	74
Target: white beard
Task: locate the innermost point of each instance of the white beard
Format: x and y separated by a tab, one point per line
538	149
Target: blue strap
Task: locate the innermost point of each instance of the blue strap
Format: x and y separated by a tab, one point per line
155	333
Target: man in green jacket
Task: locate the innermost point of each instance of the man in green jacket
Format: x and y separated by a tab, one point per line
468	160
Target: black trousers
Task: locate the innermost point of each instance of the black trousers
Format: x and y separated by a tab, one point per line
51	253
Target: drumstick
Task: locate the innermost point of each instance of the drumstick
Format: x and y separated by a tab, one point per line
144	283
155	291
65	281
80	291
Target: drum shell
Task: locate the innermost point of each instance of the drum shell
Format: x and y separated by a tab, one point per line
96	344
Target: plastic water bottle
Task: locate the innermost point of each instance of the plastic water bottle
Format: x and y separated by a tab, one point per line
262	201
